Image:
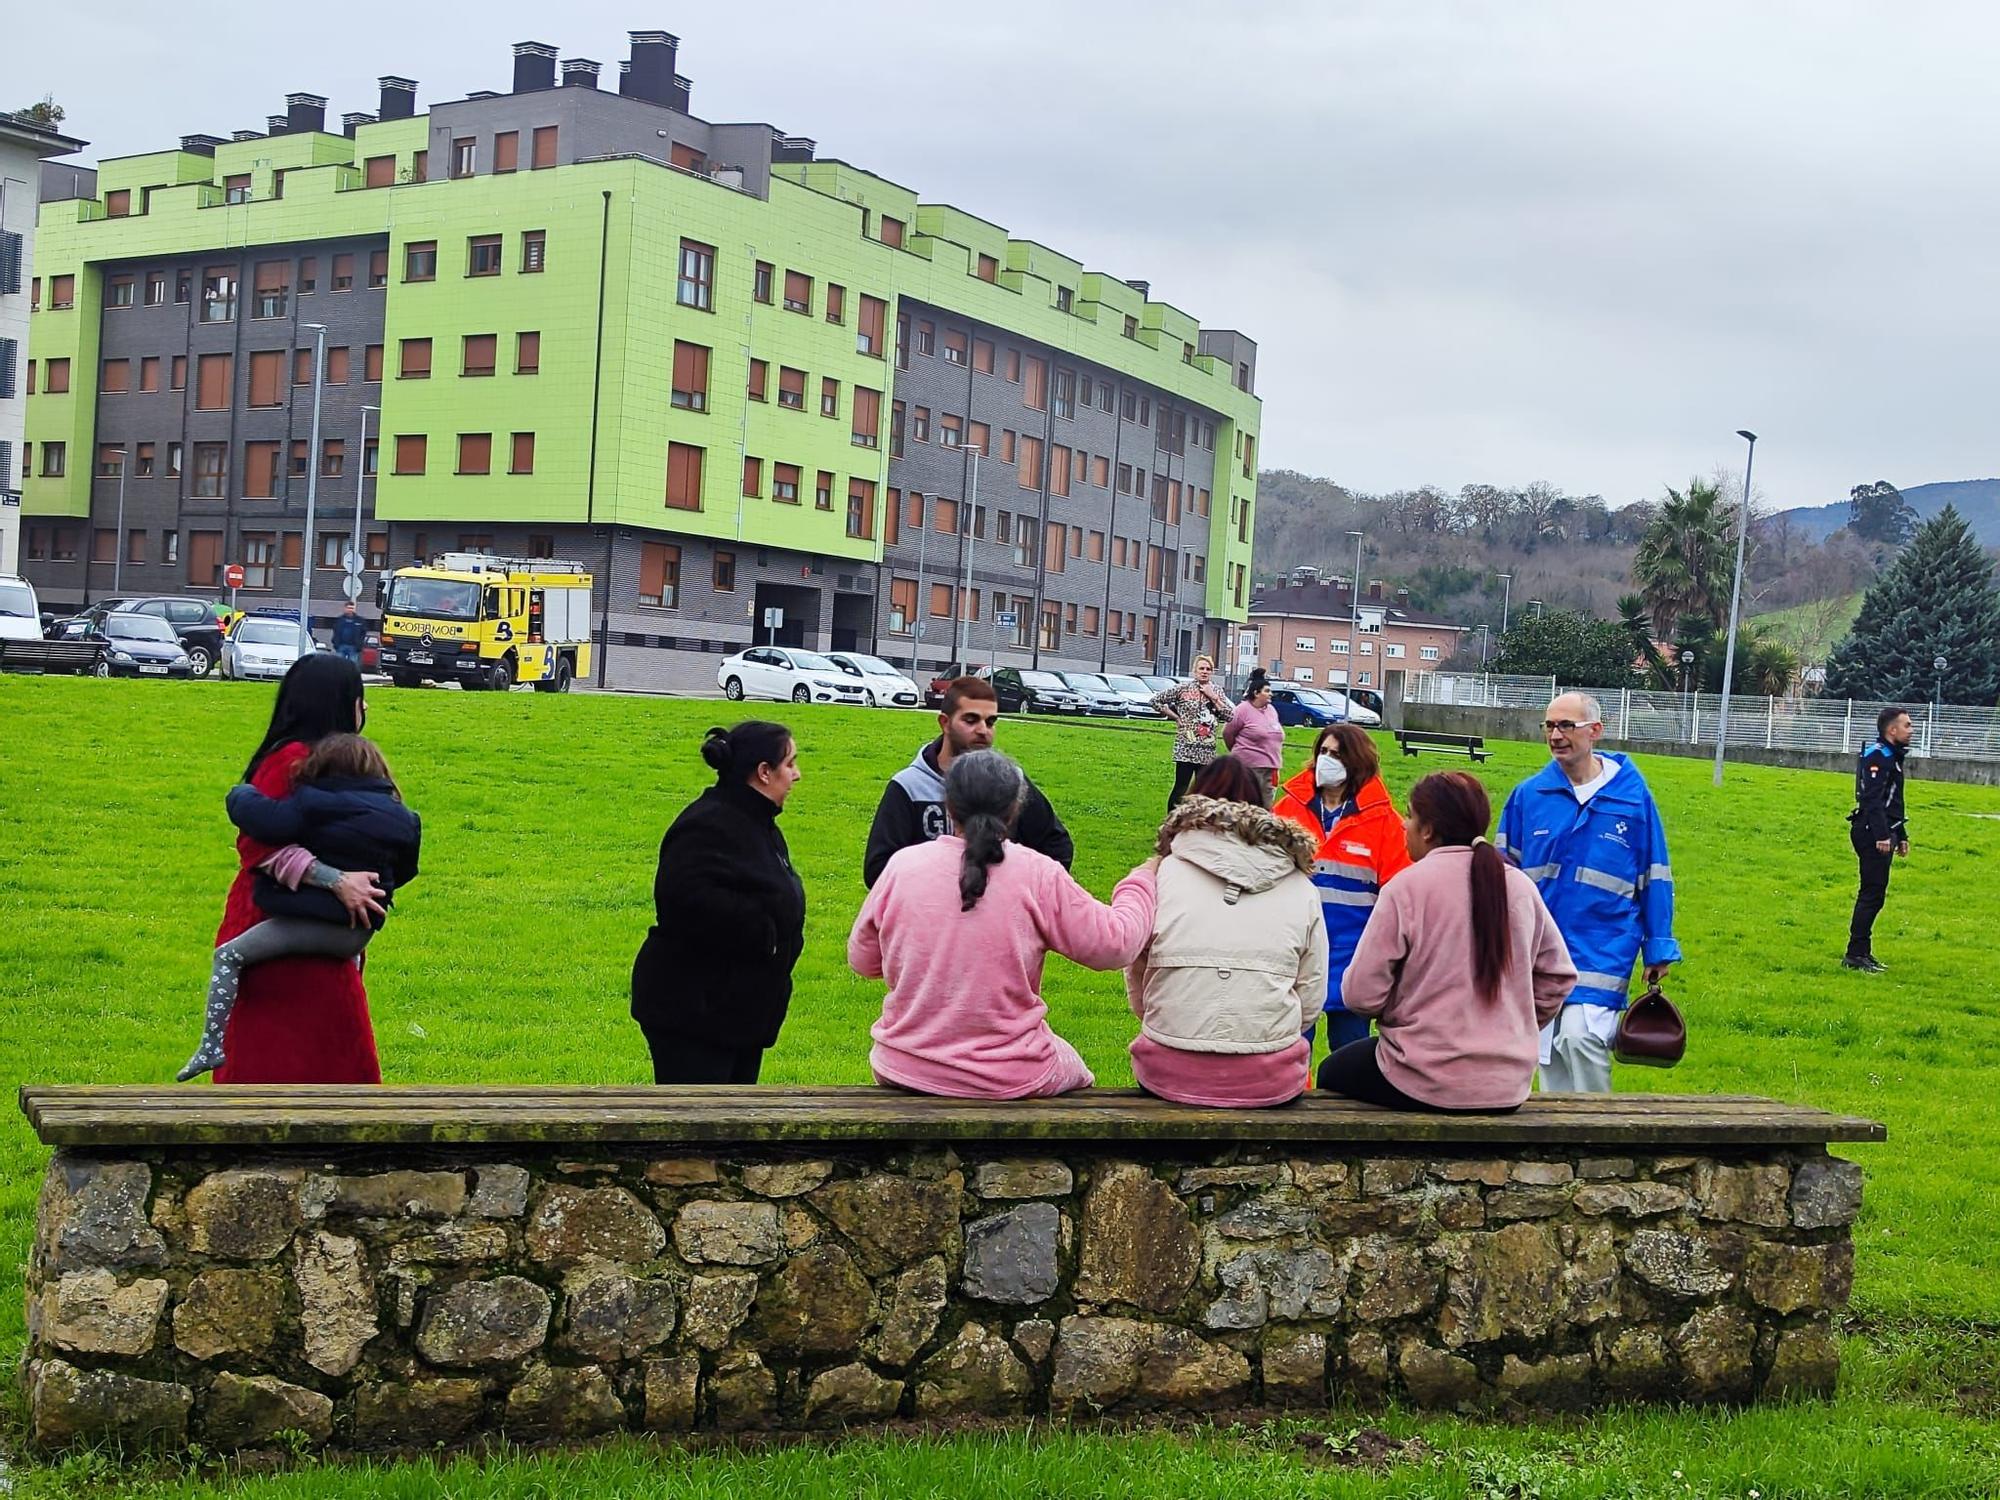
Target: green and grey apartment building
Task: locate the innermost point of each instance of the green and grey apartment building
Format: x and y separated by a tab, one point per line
738	383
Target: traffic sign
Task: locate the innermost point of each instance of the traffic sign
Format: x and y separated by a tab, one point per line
353	561
352	585
1007	620
773	618
232	576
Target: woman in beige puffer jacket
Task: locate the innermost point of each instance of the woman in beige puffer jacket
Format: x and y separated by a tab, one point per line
1236	967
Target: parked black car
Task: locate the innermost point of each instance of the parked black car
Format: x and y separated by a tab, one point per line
1034	692
194	625
136	645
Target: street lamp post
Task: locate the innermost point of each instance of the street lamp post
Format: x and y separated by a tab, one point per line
1938	664
1506	597
1538	607
312	490
118	554
1354	619
1483	632
971	510
1735	603
361	478
1687	660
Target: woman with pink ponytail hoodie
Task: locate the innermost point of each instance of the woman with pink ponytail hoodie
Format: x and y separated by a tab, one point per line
960	927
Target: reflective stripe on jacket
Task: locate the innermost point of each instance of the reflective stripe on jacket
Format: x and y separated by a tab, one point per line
1355	858
1602	869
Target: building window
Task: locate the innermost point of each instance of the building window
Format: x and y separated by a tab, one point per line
1338	648
1064	299
920	424
836	303
684	476
267	375
528	353
62	292
110	460
55	375
867	428
1131	326
1035	389
690	389
236	189
534	251
156	289
420	261
760	374
370	459
464	156
212	382
506	150
892	232
1392	649
218	294
416	360
337	365
211	464
343	273
724	573
1304	644
869	330
792	388
659	575
829	396
118	203
1428	653
371	363
378	268
798	292
271	293
1065	395
697	276
302	370
861	508
544	147
332	458
761	281
142	461
951	429
480	350
926	336
823	491
902	605
173	461
116	377
475	453
410	452
902	341
420	166
785	483
378	171
753	478
295	464
482	255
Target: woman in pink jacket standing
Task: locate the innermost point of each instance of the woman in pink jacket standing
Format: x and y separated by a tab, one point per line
960	927
1460	964
1253	733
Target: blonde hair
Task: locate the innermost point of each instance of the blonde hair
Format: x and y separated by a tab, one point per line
1201	657
346	755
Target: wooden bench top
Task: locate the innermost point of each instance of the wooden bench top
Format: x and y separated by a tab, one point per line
103	1117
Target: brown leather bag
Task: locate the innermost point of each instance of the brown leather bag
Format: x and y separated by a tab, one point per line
1651	1032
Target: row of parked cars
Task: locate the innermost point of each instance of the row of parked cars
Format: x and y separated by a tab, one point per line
792	674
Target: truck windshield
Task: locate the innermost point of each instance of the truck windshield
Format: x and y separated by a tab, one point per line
434	598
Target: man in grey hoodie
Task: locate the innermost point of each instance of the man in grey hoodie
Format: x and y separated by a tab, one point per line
912	807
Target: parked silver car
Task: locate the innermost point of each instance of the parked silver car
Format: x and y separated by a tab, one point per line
260	647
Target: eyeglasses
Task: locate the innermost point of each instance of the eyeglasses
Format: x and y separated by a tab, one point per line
1567	726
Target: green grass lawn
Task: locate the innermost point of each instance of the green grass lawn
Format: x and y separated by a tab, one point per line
509	960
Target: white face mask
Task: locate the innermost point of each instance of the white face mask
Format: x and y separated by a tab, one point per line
1329	772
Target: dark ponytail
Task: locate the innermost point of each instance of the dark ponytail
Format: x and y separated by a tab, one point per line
1453	805
735	754
982	792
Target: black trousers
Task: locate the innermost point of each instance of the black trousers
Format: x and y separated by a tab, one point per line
1874	891
1353	1071
686	1059
1185	772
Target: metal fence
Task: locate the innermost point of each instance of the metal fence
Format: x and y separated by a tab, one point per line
1839	725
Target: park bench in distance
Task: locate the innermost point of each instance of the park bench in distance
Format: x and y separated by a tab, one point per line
40	657
1414	741
355	1268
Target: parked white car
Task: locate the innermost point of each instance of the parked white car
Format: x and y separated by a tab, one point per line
1138	697
881	684
261	646
786	672
20	613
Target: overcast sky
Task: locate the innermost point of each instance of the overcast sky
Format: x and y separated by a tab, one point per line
1496	242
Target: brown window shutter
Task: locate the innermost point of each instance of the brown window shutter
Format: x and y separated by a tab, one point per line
545	146
791	386
273	275
260	470
527	353
410	453
381	171
1035	390
760	372
267	372
204	557
337	366
371	363
117	377
686	157
475	452
524	454
416	358
867	414
874	316
212	382
798	287
684	476
290	552
1031	462
753	477
892	231
479	353
302	370
506	150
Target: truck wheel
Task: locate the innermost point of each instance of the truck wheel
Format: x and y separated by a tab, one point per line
501	677
406	680
558	683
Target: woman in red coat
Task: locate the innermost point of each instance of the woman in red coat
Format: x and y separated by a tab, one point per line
300	1020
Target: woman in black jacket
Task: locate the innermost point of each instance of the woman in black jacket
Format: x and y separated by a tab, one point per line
714	976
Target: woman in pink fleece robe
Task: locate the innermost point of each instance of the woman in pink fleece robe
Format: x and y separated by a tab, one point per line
960	927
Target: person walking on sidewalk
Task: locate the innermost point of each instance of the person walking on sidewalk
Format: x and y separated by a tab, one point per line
1878	831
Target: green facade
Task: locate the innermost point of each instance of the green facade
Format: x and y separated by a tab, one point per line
613	232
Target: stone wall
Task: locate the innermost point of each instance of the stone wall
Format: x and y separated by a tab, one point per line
179	1295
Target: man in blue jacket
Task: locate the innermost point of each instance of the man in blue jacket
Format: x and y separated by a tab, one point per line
1586	831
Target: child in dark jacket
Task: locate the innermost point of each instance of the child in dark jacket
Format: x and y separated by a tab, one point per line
347	809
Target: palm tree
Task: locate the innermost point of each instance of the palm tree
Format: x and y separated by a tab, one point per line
1637	619
1683	563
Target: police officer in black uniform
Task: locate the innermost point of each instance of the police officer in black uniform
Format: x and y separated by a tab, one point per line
1877	830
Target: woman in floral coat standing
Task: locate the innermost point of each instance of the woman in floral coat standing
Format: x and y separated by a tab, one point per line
1199	710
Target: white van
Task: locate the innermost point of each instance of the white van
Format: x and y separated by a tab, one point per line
20	613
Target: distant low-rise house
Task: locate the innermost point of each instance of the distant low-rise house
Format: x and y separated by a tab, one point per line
1310	630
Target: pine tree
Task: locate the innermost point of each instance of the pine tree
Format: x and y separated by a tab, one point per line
1936	599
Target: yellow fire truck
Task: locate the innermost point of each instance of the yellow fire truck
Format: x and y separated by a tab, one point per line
487	622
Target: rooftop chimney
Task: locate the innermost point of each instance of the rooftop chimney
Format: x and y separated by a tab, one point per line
305	112
482	94
277	124
579	73
1143	288
653	55
683	92
246	135
200	145
534	67
793	148
399	98
1374	588
625	78
350	123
